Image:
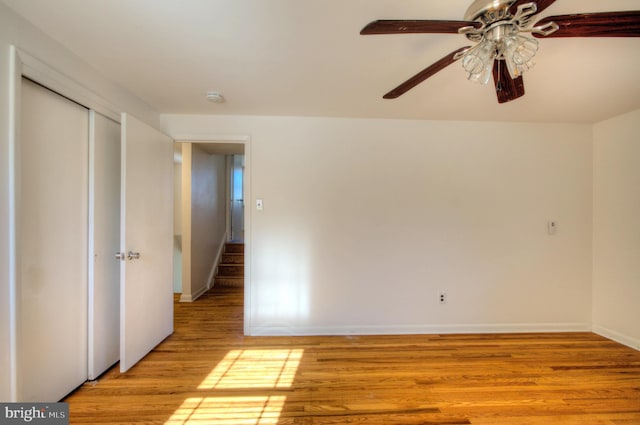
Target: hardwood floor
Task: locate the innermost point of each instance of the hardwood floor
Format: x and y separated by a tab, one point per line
207	372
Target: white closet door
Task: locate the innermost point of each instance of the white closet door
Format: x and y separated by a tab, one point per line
52	244
146	309
104	242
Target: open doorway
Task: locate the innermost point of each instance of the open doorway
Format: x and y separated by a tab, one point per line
210	189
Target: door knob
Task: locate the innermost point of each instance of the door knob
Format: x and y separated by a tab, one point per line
133	255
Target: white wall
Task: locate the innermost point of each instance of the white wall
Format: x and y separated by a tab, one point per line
177	198
203	217
177	225
16	31
616	232
185	214
366	221
208	215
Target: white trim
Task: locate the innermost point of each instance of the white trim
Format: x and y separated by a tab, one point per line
419	329
248	245
211	138
623	339
91	247
42	73
15	81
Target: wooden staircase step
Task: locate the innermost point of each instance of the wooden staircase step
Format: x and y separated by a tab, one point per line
234	247
231	269
232	258
229	281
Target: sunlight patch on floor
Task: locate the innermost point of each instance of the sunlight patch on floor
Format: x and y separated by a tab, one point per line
256	410
248	370
254	369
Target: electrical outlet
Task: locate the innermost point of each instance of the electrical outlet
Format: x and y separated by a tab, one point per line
442	298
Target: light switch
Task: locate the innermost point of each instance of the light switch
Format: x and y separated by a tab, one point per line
259	205
552	227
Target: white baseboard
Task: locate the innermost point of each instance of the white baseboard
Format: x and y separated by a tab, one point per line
275	330
617	337
189	298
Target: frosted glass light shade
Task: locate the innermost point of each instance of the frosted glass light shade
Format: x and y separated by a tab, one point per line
478	62
518	52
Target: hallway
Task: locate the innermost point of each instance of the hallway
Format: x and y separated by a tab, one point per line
207	372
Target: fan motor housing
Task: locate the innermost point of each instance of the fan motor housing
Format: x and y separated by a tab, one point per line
488	11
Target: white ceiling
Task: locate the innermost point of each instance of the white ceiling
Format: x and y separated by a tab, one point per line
306	57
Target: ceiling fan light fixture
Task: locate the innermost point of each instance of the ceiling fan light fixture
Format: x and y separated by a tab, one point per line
518	52
501	41
502	32
478	61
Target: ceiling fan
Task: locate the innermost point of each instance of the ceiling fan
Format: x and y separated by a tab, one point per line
504	32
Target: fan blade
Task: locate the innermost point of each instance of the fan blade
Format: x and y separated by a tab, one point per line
423	75
415	27
507	88
605	24
542	5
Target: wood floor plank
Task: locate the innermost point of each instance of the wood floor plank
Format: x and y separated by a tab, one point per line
208	372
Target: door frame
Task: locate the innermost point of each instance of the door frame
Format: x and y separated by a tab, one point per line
22	65
242	139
